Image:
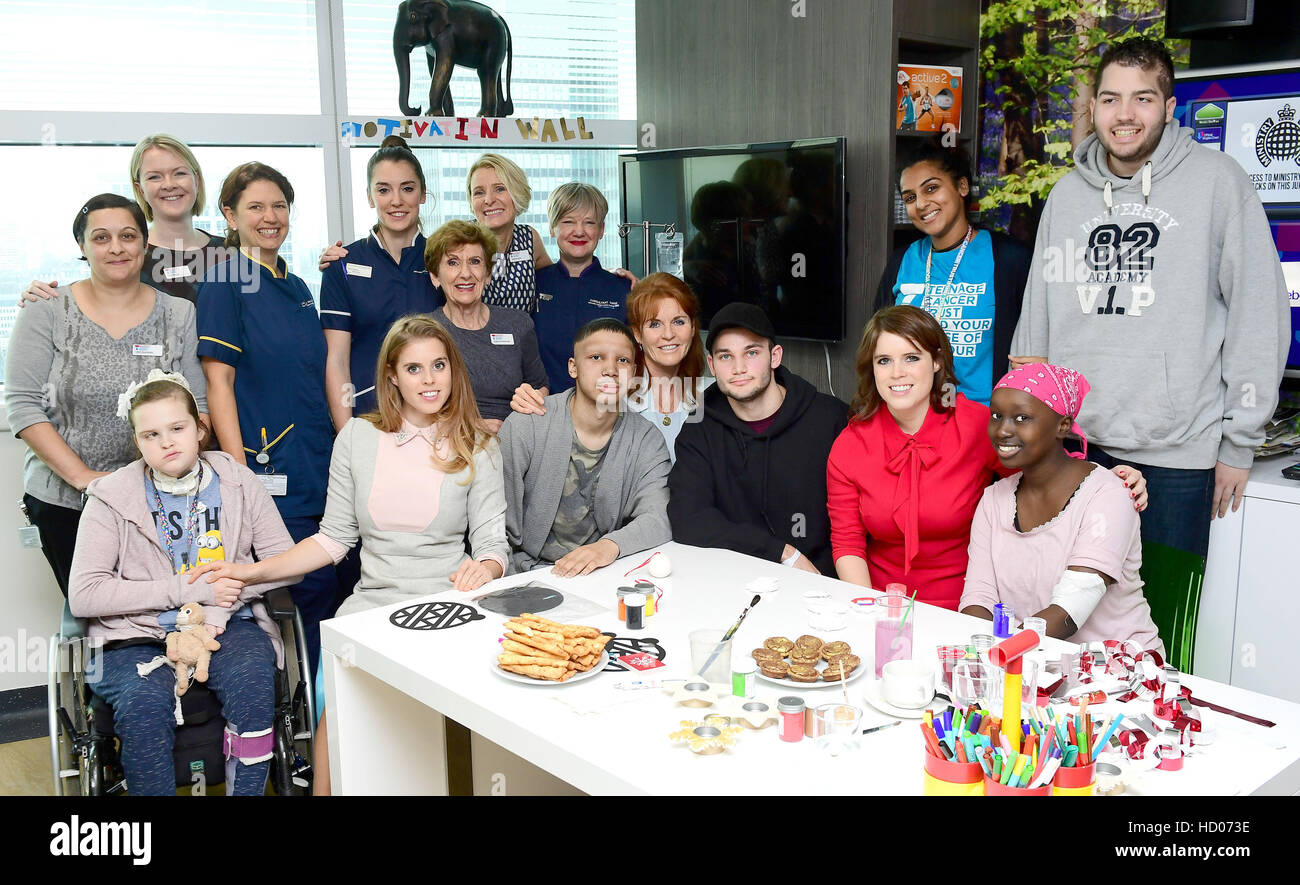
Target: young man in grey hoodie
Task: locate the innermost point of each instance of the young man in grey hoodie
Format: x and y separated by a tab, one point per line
1155	275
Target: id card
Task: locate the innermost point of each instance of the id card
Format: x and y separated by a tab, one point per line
146	350
177	273
357	270
275	483
521	255
29	536
502	338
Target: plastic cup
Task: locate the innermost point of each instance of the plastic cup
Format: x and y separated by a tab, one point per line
703	644
893	634
837	728
948	656
974	682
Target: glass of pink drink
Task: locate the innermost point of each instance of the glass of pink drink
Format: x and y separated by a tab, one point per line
893	636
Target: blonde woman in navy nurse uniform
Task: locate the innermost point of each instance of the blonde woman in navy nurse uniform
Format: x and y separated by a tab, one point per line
263	355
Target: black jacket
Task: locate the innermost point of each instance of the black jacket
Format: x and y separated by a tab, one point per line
1010	274
755	494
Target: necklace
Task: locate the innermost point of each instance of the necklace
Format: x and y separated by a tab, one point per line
191	520
925	299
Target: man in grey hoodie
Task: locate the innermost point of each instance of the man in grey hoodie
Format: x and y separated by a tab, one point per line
1155	275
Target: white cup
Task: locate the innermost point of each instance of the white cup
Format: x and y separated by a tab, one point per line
908	684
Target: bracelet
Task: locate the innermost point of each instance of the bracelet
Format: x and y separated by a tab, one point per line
792	560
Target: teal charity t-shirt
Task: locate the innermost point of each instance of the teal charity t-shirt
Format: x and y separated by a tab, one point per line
964	310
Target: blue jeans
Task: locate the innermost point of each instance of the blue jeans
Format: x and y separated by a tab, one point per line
1178	514
242	675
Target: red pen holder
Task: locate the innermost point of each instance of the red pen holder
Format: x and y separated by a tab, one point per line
993	788
945	778
1079	781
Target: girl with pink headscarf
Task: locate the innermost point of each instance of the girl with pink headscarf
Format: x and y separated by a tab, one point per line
1059	539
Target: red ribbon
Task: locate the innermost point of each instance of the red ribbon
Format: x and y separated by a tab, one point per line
1149	679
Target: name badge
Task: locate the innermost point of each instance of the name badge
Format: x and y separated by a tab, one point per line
146	350
604	305
177	273
277	484
357	270
502	338
521	255
544	296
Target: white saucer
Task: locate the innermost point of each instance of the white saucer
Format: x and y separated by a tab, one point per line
871	692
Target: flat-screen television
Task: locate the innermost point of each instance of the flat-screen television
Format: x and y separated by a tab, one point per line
1252	113
763	223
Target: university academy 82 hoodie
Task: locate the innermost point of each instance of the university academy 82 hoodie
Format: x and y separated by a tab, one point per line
753	493
1165	290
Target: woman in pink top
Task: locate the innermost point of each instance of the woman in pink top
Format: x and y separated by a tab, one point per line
1059	540
418	484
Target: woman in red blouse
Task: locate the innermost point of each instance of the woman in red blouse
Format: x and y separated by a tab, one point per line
904	478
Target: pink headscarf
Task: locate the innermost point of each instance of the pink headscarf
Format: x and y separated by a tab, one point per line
1061	389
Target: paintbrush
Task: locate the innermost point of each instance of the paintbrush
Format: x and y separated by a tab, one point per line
726	637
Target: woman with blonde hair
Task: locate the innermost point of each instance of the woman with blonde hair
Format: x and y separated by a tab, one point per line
168	185
664	315
412	482
498	194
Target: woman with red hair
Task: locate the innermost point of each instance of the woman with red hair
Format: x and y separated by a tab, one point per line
664	315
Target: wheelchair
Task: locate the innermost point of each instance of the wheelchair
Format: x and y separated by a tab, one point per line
84	747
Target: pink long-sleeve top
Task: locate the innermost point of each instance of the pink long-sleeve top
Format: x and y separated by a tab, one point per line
1098	529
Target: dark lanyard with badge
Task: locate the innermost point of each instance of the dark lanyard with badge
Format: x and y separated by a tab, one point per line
277	484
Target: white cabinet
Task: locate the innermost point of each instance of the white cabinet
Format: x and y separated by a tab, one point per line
1250	604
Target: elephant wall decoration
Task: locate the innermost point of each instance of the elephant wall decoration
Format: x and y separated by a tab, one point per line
454	32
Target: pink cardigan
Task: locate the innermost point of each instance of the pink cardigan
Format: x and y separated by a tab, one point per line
122	577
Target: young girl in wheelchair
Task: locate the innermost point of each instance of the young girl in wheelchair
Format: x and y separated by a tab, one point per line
144	527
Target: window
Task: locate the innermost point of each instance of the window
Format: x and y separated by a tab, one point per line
250	79
570	57
36	234
237	56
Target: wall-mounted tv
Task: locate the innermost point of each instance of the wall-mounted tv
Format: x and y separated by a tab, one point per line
763	223
1253	115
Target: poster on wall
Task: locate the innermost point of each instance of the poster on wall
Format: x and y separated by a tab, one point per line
928	99
1264	138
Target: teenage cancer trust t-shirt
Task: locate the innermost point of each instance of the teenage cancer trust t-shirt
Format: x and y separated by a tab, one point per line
964	309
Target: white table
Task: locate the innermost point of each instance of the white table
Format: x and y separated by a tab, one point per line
387	688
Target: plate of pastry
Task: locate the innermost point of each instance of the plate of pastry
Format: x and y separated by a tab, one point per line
807	662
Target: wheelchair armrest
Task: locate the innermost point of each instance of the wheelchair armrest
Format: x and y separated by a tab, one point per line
279	604
70	627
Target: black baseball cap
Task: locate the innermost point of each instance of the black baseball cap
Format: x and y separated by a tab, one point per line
742	315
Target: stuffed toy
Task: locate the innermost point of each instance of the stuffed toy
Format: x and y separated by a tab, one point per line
190	646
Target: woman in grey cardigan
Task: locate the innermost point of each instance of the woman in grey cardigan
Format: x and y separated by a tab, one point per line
69	360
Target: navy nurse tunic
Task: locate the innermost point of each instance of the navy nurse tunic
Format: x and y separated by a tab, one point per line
565	304
265	324
364	294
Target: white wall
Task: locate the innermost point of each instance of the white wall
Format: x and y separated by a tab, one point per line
31	605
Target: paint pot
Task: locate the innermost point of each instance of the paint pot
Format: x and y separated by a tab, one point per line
791	708
635	611
742	677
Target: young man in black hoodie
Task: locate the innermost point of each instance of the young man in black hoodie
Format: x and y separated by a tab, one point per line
751	475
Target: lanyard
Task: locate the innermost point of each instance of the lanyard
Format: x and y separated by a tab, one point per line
925	298
261	456
191	519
